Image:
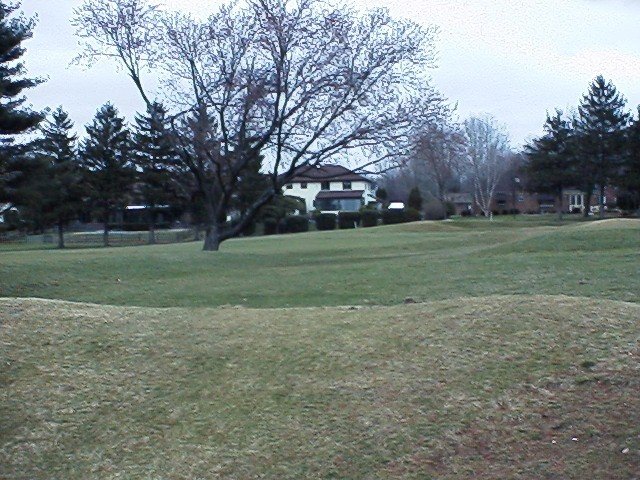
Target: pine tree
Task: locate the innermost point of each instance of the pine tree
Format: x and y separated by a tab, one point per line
105	157
63	191
15	119
155	159
600	125
415	199
630	175
552	159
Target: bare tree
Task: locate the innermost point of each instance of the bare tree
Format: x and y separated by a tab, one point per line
487	155
440	149
296	82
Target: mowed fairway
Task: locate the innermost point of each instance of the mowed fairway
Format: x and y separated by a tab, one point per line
522	359
384	265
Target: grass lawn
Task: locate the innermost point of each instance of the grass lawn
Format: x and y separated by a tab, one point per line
521	359
482	388
384	265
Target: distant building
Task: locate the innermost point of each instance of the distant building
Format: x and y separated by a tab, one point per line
330	188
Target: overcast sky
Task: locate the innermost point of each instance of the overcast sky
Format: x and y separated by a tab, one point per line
515	60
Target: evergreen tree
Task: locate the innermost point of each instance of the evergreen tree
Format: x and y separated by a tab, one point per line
63	190
600	125
552	160
15	119
415	199
250	183
109	171
382	196
155	160
630	177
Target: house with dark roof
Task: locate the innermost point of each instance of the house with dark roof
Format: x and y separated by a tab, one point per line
330	188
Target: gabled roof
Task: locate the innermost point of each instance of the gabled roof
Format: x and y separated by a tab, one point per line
460	197
324	173
340	194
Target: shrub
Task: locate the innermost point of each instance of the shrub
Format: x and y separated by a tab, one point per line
466	213
326	221
249	230
412	215
370	218
450	209
434	210
628	201
270	226
391	217
415	199
295	224
348	219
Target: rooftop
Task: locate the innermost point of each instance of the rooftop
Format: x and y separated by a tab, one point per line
322	173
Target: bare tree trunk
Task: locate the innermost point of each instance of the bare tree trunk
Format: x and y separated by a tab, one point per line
212	238
601	201
152	228
105	233
587	201
60	234
559	206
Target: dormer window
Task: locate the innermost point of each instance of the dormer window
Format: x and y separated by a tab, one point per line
346	185
303	184
325	186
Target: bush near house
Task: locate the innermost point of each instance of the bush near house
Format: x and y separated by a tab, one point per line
295	224
326	221
348	220
391	217
270	226
369	218
450	209
412	215
435	210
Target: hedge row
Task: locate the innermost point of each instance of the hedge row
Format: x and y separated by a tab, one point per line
290	224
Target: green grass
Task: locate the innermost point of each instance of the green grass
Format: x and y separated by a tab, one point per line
521	362
384	265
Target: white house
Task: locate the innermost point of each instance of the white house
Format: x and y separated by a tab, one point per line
330	188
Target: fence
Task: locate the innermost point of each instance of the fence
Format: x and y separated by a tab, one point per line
95	239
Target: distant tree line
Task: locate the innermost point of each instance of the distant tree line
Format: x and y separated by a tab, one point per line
448	156
595	147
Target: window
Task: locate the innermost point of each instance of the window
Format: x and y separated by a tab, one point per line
303	185
289	186
346	185
520	198
325	186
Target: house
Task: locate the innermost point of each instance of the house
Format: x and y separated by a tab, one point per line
331	188
463	203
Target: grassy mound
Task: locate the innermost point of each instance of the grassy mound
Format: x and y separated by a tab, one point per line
496	387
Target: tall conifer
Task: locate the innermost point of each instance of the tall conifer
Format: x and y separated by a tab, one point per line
552	159
15	118
63	190
155	161
600	125
109	170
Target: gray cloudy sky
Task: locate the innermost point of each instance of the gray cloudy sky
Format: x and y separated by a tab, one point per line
513	59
